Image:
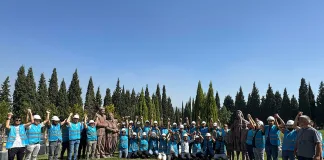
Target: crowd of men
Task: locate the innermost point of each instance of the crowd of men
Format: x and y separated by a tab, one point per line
100	138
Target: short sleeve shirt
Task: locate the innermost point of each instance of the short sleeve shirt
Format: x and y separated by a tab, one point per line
306	141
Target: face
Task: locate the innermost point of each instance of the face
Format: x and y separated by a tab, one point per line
111	115
204	124
163	137
131	124
92	124
271	123
192	124
155	124
225	127
75	120
303	122
123	133
55	122
185	138
36	121
144	136
208	137
197	139
181	129
238	114
102	111
134	136
174	126
147	124
17	121
250	126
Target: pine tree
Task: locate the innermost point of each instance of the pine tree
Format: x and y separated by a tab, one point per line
294	106
74	93
53	88
122	103
320	104
147	96
116	99
62	100
170	110
127	102
263	108
217	101
270	102
142	108
285	112
177	115
303	98
90	98
240	103
229	103
192	108
225	115
152	110
107	99
278	103
20	96
165	110
254	101
311	99
42	97
98	102
210	105
199	103
5	91
133	104
156	105
31	90
159	98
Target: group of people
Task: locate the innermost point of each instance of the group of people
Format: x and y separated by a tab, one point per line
152	139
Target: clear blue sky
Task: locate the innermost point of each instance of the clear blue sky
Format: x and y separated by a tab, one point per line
174	43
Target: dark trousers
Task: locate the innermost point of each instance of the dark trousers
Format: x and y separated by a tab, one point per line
20	152
272	152
65	147
250	151
132	155
198	155
82	148
304	158
143	154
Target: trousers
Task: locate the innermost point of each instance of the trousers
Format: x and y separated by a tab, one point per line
32	151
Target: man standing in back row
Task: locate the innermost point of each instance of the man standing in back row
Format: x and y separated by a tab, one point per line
101	130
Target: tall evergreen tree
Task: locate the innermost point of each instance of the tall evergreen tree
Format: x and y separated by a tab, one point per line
182	111
263	108
107	99
116	98
5	91
74	93
311	99
254	101
159	98
240	103
122	105
98	99
210	105
165	109
278	103
20	95
53	88
142	108
170	109
303	98
177	115
199	103
285	111
62	100
320	104
217	101
229	103
133	104
31	90
294	106
147	96
156	105
90	99
127	102
270	102
192	109
42	97
151	110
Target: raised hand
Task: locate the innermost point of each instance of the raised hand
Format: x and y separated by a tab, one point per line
10	115
136	117
141	117
187	118
28	110
199	118
71	114
48	112
168	119
180	119
299	114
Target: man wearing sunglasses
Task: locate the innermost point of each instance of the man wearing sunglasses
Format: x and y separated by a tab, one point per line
17	138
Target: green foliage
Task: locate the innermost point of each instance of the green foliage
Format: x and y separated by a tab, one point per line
156	105
90	99
199	103
217	101
31	90
74	93
5	108
278	101
42	97
263	113
98	102
111	109
142	108
5	91
165	109
133	104
77	109
229	103
270	102
285	112
311	99
303	98
210	109
159	98
294	106
254	101
62	101
240	103
320	104
170	110
225	115
107	99
117	98
54	110
53	88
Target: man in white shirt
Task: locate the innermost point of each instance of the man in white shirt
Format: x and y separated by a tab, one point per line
185	147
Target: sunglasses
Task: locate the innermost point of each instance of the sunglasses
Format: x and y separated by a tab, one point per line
18	120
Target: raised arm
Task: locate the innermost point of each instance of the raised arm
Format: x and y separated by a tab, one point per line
69	119
198	122
161	122
63	122
296	120
85	121
251	121
47	117
29	113
127	124
180	123
8	120
211	123
168	123
142	122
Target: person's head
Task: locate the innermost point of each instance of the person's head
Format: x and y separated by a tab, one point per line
153	135
203	123
134	134
174	125
239	114
75	118
138	124
304	121
111	116
123	124
144	134
155	123
185	137
123	132
92	123
193	123
181	127
131	123
271	120
164	136
197	138
17	120
215	125
37	119
260	124
102	110
290	125
185	125
55	120
250	126
147	123
220	138
208	136
172	138
225	127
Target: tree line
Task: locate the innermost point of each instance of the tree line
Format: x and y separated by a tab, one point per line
155	105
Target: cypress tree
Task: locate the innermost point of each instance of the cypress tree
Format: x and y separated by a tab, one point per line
74	93
107	99
133	104
294	106
225	115
122	103
248	104
98	102
156	105
5	91
20	96
303	98
142	108
320	104
270	102
177	115
278	103
311	99
254	101
152	110
210	105
229	103
62	100
240	103
147	96
53	88
159	98
217	101
116	98
165	109
170	110
199	103
42	97
31	90
127	102
285	112
263	108
90	98
192	109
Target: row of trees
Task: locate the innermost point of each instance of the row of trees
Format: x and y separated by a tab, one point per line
62	100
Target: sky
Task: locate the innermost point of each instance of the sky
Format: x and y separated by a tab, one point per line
173	43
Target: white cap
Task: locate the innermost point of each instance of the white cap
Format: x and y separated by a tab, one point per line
76	116
155	122
134	134
270	118
215	124
203	122
124	129
174	124
138	122
37	117
260	123
185	135
91	121
55	118
131	121
123	123
185	124
290	122
147	121
208	135
196	136
153	134
163	134
181	126
193	122
144	134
